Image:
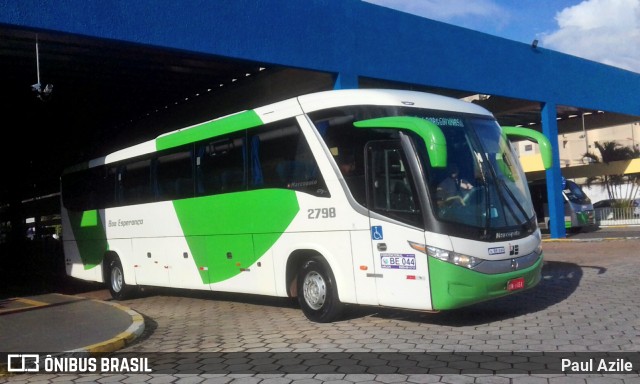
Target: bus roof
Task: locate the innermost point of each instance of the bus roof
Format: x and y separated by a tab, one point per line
328	99
283	109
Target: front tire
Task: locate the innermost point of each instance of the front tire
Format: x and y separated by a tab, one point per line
317	292
115	280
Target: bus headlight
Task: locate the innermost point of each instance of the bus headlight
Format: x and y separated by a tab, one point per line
454	257
465	261
448	256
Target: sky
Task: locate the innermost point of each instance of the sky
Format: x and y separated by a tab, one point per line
606	31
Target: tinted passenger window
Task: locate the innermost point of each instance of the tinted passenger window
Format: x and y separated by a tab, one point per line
220	165
174	176
134	183
347	143
281	158
92	188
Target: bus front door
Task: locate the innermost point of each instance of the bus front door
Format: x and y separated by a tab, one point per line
395	219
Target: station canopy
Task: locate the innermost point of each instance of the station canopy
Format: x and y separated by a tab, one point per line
107	94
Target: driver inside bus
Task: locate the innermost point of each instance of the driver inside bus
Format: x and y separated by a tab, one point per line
452	188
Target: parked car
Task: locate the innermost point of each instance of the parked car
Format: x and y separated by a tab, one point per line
607	209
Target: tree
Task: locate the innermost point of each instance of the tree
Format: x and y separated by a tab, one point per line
623	188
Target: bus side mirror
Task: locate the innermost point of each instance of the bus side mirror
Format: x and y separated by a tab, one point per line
431	134
530	134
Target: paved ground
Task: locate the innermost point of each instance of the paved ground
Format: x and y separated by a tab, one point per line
588	301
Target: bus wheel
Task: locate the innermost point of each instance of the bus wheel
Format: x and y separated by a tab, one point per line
115	280
317	293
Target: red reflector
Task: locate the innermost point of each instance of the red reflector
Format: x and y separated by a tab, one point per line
515	284
411	277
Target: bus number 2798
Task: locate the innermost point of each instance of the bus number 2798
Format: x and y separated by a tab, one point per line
321	213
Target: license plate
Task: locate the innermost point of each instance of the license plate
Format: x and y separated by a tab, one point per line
398	261
515	284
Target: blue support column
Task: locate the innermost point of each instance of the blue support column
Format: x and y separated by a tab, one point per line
345	81
554	174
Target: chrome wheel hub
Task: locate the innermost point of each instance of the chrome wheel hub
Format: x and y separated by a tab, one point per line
117	279
315	290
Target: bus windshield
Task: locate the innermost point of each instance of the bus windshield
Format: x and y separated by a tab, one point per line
482	186
574	193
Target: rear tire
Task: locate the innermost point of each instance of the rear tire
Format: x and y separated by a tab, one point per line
317	292
115	280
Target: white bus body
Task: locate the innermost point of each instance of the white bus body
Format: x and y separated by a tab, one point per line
261	202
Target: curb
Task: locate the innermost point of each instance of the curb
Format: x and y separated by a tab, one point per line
593	240
122	339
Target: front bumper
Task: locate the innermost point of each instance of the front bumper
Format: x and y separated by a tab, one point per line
453	286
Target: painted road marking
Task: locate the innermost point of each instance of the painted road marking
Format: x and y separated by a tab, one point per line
18	304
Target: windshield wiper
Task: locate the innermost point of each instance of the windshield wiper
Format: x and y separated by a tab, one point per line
514	199
502	185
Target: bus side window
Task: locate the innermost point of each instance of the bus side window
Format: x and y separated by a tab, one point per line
134	183
74	190
220	165
281	158
104	181
89	189
174	175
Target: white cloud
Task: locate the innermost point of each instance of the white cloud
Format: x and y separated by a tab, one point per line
607	31
448	10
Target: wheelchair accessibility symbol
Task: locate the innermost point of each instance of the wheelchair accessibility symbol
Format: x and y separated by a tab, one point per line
376	232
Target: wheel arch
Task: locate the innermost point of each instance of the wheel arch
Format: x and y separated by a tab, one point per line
340	268
109	256
294	262
129	287
122	252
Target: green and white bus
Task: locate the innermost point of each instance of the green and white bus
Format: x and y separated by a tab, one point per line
335	198
578	210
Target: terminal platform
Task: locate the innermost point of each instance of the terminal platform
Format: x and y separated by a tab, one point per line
54	323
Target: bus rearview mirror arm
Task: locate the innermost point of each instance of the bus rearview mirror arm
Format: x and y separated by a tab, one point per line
431	134
530	134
